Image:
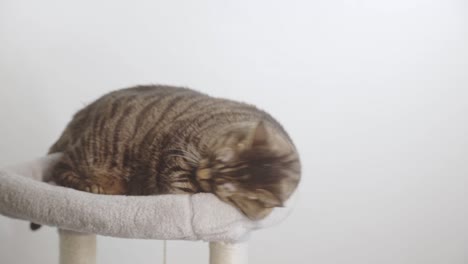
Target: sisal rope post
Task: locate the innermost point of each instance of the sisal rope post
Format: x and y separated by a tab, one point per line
77	248
226	253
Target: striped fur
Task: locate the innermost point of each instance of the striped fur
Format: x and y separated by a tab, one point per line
158	140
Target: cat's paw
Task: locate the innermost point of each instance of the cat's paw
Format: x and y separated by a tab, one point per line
94	188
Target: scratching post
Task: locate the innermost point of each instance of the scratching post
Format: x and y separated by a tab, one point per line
77	248
228	253
25	194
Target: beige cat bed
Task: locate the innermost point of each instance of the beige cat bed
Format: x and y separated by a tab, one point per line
80	215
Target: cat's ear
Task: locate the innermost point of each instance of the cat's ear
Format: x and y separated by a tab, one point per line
263	137
260	136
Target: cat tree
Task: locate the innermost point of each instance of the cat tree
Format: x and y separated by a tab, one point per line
80	216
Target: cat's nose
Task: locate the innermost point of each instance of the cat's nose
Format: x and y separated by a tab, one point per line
204	174
205	185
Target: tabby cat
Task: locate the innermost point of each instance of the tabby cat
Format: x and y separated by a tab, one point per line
150	140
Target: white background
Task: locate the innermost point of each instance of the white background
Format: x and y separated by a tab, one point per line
374	93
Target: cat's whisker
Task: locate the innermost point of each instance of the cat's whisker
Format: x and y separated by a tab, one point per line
192	161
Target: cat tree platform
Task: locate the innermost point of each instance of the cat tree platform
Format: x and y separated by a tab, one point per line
80	216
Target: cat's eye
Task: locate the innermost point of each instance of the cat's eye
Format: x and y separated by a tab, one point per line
241	146
225	155
229	187
244	177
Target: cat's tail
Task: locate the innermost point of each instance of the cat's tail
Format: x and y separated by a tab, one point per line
34	226
54	149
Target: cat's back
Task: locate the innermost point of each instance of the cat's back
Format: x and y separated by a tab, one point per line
121	109
133	113
140	113
151	107
151	97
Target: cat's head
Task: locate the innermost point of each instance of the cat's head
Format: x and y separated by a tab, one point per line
252	167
